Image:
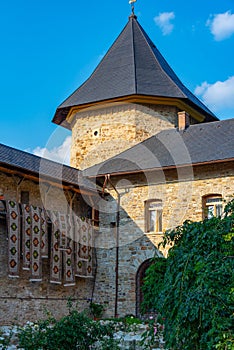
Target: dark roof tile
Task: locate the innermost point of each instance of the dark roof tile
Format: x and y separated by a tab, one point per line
200	143
132	66
26	162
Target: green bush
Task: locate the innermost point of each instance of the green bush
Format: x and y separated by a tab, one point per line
196	293
74	331
96	310
5	340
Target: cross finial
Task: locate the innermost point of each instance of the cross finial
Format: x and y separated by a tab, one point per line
131	2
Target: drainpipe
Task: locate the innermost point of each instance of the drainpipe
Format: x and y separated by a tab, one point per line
18	183
108	179
46	192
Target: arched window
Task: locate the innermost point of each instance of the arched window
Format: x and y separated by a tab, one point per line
212	206
153	215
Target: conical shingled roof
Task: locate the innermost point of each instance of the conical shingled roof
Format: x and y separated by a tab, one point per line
132	66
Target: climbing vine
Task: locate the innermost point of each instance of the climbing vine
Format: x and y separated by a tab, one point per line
195	288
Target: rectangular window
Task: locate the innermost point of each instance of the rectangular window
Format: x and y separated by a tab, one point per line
24	197
153	213
95	218
213	206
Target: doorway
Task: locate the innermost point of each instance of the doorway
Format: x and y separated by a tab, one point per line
139	283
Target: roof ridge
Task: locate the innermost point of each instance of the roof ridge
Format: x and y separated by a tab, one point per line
134	55
97	67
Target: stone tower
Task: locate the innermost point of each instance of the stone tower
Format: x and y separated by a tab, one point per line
132	95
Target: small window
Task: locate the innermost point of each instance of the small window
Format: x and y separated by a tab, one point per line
1	194
212	206
96	132
153	215
95	218
2	209
24	197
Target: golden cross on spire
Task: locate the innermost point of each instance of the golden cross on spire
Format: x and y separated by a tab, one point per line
131	2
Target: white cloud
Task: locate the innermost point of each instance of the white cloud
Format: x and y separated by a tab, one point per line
219	95
221	25
163	20
59	154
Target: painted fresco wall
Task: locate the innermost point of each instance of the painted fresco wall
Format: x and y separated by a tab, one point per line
20	299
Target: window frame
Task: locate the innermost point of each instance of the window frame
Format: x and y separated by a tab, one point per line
25	197
158	209
207	202
95	218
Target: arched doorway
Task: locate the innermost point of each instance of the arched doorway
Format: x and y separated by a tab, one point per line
139	282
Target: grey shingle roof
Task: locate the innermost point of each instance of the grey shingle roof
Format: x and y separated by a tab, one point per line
12	158
200	143
132	66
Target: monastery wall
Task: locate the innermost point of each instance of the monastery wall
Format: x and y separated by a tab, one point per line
102	133
20	299
181	193
180	201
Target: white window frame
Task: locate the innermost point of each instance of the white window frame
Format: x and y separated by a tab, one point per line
153	209
212	205
95	218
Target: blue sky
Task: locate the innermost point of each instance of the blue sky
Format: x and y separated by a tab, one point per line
48	48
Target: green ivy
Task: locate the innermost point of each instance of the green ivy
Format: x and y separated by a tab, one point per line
193	289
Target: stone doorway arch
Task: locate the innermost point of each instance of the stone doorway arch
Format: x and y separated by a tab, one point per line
139	282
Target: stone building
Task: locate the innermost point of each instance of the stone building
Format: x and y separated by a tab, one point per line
151	155
33	185
161	153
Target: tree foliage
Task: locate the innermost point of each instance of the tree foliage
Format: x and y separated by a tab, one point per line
195	291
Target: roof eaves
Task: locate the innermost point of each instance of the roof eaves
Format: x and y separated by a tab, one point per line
24	162
169	167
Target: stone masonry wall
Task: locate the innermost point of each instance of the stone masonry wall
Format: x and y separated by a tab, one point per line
181	196
102	133
131	256
20	299
181	201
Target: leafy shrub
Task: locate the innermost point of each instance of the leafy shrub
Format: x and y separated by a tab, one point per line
5	339
96	310
196	292
73	331
153	336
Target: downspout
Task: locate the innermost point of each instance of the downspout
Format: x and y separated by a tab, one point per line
46	192
108	179
18	183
